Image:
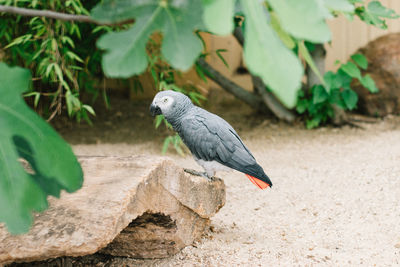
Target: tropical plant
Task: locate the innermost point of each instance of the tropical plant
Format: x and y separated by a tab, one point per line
273	33
317	102
326	96
60	54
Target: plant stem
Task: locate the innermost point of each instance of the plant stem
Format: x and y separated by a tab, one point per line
231	87
270	100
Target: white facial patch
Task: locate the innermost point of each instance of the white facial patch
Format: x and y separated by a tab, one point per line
164	103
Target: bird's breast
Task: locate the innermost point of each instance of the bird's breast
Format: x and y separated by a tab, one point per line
212	165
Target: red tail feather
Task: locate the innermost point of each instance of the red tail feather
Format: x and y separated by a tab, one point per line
257	182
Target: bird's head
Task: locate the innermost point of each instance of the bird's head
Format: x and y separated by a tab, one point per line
170	104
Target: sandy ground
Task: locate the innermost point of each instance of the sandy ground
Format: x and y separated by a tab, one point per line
335	199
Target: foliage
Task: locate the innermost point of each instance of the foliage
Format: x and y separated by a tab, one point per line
270	29
335	88
317	102
60	54
267	57
25	135
374	13
125	51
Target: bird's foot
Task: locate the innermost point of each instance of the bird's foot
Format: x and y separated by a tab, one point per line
197	173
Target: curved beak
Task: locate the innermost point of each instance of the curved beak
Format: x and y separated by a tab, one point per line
154	110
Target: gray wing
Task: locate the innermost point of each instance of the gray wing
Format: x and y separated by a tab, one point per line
210	137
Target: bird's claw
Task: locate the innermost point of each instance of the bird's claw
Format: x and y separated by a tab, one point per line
197	173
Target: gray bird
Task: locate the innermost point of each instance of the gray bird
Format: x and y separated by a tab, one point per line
215	145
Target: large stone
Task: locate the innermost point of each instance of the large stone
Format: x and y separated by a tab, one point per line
383	56
144	207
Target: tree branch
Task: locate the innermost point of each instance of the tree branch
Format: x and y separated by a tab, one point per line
46	13
238	33
231	87
269	99
54	15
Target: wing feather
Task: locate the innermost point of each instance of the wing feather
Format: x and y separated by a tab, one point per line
209	137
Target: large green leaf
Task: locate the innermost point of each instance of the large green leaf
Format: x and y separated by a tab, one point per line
303	19
339	5
267	57
283	35
332	80
350	98
319	94
126	51
361	60
218	16
369	83
376	13
352	70
25	135
377	9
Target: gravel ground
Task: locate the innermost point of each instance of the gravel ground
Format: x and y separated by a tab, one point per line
335	199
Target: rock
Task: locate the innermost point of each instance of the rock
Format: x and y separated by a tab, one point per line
383	56
144	207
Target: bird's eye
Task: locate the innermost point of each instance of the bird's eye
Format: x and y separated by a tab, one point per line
165	100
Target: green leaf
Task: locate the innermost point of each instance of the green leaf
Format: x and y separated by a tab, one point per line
25	135
339	5
125	51
283	35
375	14
319	94
58	72
73	103
301	106
218	52
336	98
369	83
303	19
200	72
361	60
159	119
89	109
49	68
351	69
377	9
310	124
36	99
350	98
68	40
218	16
332	80
344	79
266	56
177	142
74	56
166	144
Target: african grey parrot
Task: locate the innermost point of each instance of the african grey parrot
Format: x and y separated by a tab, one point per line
215	145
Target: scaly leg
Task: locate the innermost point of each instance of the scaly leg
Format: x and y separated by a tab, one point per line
197	173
